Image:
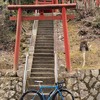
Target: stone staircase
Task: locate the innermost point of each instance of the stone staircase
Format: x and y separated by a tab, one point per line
43	58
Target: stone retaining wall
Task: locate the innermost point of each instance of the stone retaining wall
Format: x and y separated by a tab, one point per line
10	87
85	84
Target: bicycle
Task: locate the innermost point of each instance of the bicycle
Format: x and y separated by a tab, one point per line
59	93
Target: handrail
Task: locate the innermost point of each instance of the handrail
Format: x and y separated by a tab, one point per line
55	55
25	73
27	57
56	68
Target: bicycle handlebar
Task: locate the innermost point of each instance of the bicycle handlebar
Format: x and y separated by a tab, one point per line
58	83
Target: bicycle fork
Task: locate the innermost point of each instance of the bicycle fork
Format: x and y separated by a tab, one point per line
61	96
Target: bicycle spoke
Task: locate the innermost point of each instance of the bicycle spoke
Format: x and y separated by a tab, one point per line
31	95
63	95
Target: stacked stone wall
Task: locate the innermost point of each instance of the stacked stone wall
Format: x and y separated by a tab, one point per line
10	87
85	84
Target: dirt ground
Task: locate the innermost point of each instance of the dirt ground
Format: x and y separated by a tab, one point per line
92	56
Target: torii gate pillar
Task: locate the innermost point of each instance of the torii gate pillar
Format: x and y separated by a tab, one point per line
97	3
17	44
66	40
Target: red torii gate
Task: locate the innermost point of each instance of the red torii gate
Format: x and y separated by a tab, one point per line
62	17
97	3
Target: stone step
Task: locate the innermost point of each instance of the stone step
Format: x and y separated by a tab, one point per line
46	80
44	51
43	55
44	37
42	74
43	62
51	70
49	26
45	23
45	27
45	44
45	58
45	32
44	41
44	47
43	66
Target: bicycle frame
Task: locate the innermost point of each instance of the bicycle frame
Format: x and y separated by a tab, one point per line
53	92
58	89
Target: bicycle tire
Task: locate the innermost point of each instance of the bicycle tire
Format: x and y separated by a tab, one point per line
31	95
65	93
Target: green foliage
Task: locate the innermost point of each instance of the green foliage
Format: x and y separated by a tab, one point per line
27	1
21	1
8	23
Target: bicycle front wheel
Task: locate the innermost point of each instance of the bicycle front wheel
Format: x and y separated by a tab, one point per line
31	95
63	95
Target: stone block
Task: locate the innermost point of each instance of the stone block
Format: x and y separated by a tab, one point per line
84	94
99	77
75	87
90	98
97	85
93	91
95	73
81	75
98	97
82	86
87	72
92	81
87	79
76	94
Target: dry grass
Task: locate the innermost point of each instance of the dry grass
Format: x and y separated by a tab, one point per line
92	56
